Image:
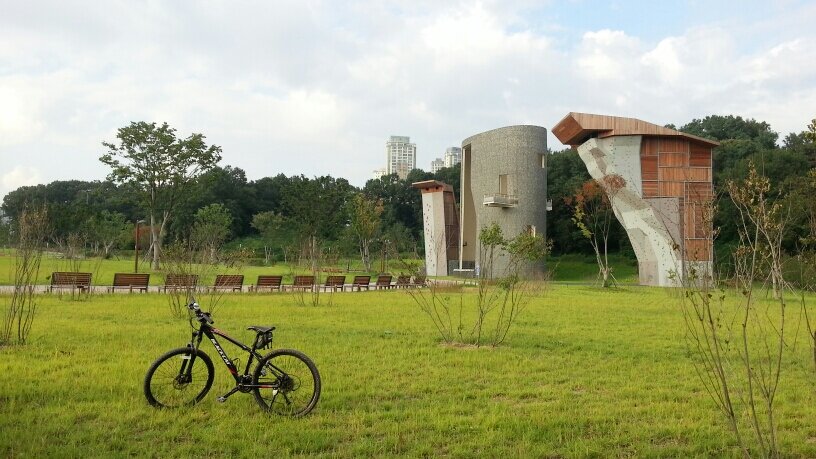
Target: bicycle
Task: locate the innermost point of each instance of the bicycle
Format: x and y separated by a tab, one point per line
285	381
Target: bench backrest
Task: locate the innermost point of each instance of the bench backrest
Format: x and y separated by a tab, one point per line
403	280
361	280
71	279
383	280
335	281
303	280
229	280
269	281
181	280
130	280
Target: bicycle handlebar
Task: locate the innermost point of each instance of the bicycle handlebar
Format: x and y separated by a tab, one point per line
200	315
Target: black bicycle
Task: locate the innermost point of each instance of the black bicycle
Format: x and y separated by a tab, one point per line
285	381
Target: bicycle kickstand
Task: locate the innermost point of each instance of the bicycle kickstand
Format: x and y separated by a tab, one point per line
224	397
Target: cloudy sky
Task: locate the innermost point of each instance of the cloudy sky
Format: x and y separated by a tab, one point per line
317	87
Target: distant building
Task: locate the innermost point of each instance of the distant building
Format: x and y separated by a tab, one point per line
400	156
378	173
453	156
437	164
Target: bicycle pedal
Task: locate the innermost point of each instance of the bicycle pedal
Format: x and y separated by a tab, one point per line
221	399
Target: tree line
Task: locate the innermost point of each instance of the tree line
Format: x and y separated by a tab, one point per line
180	182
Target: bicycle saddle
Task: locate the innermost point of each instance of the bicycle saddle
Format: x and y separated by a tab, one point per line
260	329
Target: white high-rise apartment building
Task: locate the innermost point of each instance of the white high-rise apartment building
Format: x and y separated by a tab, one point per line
400	156
453	156
437	164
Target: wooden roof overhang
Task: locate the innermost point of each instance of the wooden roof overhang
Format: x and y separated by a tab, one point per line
431	186
576	128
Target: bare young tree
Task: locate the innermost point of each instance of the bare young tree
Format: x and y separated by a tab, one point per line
593	215
739	343
806	257
461	317
194	257
312	254
31	234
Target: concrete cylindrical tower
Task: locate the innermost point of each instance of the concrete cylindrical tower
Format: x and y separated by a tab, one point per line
504	180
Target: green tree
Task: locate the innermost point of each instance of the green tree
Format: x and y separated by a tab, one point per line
565	174
211	227
453	177
316	207
161	167
401	203
226	185
104	230
269	224
364	216
732	127
5	232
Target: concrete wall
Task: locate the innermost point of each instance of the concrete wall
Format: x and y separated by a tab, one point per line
520	153
646	222
433	212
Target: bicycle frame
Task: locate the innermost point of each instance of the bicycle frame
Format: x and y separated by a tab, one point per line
240	379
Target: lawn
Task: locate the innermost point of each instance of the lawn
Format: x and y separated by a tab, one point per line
586	373
584	268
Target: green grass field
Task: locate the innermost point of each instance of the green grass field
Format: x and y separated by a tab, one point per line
583	268
586	373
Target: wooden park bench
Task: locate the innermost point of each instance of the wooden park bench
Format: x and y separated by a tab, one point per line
403	282
334	283
234	282
70	280
303	283
180	282
130	282
383	282
360	282
419	281
267	282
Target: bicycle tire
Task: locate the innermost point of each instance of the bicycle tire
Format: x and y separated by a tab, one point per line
166	387
293	383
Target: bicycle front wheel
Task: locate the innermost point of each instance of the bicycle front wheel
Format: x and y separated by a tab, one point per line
176	379
286	383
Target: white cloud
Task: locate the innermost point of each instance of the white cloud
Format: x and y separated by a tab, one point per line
317	87
19	176
20	111
606	55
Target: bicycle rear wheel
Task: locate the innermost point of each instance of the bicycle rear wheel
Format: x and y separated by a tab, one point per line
290	383
175	379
